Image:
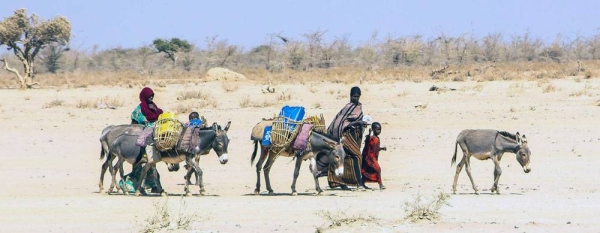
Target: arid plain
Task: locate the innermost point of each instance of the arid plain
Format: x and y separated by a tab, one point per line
50	159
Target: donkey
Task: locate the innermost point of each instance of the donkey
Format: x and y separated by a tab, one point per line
215	139
109	134
486	144
318	146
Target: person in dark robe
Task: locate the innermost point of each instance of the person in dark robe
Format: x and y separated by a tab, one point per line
348	123
370	170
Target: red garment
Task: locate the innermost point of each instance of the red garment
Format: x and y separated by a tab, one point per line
371	171
149	109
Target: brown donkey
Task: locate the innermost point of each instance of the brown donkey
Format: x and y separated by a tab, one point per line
486	144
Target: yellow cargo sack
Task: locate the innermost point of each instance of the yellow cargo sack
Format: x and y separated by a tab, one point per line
167	131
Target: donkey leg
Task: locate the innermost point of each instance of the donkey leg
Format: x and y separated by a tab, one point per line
263	154
468	168
113	172
105	166
459	167
296	173
315	172
139	190
497	173
153	157
267	169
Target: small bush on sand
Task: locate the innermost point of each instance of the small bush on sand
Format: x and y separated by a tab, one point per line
165	220
420	209
54	103
333	220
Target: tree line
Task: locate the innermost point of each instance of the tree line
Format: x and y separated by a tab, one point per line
48	40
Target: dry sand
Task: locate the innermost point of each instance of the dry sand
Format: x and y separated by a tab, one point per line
50	161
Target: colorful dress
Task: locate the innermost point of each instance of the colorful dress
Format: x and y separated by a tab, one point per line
371	171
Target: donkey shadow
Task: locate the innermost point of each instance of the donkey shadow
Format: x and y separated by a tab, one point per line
289	194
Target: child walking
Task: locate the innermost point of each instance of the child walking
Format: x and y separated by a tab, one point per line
371	171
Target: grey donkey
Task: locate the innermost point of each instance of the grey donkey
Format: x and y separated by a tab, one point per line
486	144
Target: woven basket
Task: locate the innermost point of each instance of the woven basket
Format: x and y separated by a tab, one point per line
167	131
283	131
318	123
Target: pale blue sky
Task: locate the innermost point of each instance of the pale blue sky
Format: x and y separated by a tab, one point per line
134	23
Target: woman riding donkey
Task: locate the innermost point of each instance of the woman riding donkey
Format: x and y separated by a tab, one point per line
146	113
348	123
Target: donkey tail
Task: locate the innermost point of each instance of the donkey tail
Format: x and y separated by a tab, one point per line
102	152
454	157
254	152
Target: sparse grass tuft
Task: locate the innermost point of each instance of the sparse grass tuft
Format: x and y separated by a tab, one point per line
550	88
54	103
164	220
284	97
333	220
419	209
247	103
186	95
317	105
85	104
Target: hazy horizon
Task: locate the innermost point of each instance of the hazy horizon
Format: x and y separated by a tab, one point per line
111	23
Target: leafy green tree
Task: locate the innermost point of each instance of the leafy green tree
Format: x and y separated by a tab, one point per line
172	47
26	36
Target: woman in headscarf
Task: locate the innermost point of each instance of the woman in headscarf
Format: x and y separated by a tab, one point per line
348	123
146	112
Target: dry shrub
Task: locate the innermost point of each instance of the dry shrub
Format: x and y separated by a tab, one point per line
53	103
420	209
186	95
550	88
340	218
165	220
112	101
248	103
85	104
597	103
588	74
317	105
403	93
230	86
283	96
478	87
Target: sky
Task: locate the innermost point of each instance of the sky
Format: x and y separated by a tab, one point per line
136	23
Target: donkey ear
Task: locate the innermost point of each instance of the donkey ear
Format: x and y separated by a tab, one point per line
523	139
227	126
518	136
342	140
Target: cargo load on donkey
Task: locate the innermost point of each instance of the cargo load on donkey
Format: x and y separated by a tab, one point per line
283	129
167	131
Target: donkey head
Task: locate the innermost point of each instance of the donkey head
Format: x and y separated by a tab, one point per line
221	142
523	153
337	156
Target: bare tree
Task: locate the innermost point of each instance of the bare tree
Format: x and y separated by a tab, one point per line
26	36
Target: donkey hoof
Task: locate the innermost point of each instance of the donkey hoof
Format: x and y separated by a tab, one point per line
101	191
188	194
256	192
294	194
164	194
138	193
202	192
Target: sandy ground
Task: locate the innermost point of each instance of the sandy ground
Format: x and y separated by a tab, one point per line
50	161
